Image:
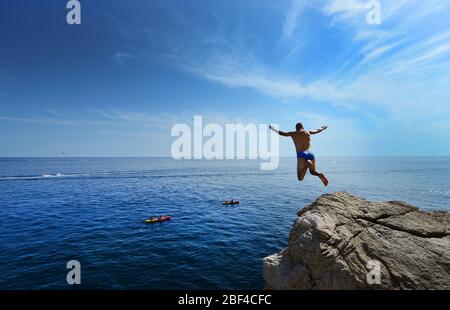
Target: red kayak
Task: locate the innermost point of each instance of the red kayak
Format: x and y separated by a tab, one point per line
158	219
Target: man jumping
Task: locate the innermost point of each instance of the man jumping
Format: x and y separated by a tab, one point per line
305	158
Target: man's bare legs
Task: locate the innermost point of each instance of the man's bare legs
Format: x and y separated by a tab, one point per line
301	168
312	169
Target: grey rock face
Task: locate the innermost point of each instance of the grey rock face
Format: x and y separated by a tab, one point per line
341	240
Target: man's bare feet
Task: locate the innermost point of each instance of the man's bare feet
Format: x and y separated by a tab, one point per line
324	179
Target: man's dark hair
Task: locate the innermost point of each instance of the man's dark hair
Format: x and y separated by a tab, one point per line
299	126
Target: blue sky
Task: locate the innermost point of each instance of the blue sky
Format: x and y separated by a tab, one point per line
115	85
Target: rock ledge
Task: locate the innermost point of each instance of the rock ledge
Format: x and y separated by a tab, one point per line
340	240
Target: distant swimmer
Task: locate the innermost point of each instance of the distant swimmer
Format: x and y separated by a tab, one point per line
305	158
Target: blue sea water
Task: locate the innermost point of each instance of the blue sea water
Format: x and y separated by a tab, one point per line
53	210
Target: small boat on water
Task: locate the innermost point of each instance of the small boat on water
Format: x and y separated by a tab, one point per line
158	219
231	202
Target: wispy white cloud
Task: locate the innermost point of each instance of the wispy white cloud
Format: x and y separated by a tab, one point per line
432	55
398	67
55	113
355	140
347	8
438	38
121	57
130	123
36	120
292	16
157	120
100	118
379	87
254	80
399	18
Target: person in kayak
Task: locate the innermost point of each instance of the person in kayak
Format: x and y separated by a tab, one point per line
305	158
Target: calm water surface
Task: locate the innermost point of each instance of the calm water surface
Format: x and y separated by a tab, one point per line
92	210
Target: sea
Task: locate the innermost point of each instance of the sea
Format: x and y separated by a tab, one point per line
54	210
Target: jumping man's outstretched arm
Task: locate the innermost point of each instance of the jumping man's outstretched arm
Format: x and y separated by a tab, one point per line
313	132
282	133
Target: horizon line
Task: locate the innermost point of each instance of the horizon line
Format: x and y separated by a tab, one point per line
225	159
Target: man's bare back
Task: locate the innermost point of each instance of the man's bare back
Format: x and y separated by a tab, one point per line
302	140
305	159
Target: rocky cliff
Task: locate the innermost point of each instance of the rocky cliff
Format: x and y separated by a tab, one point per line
341	241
